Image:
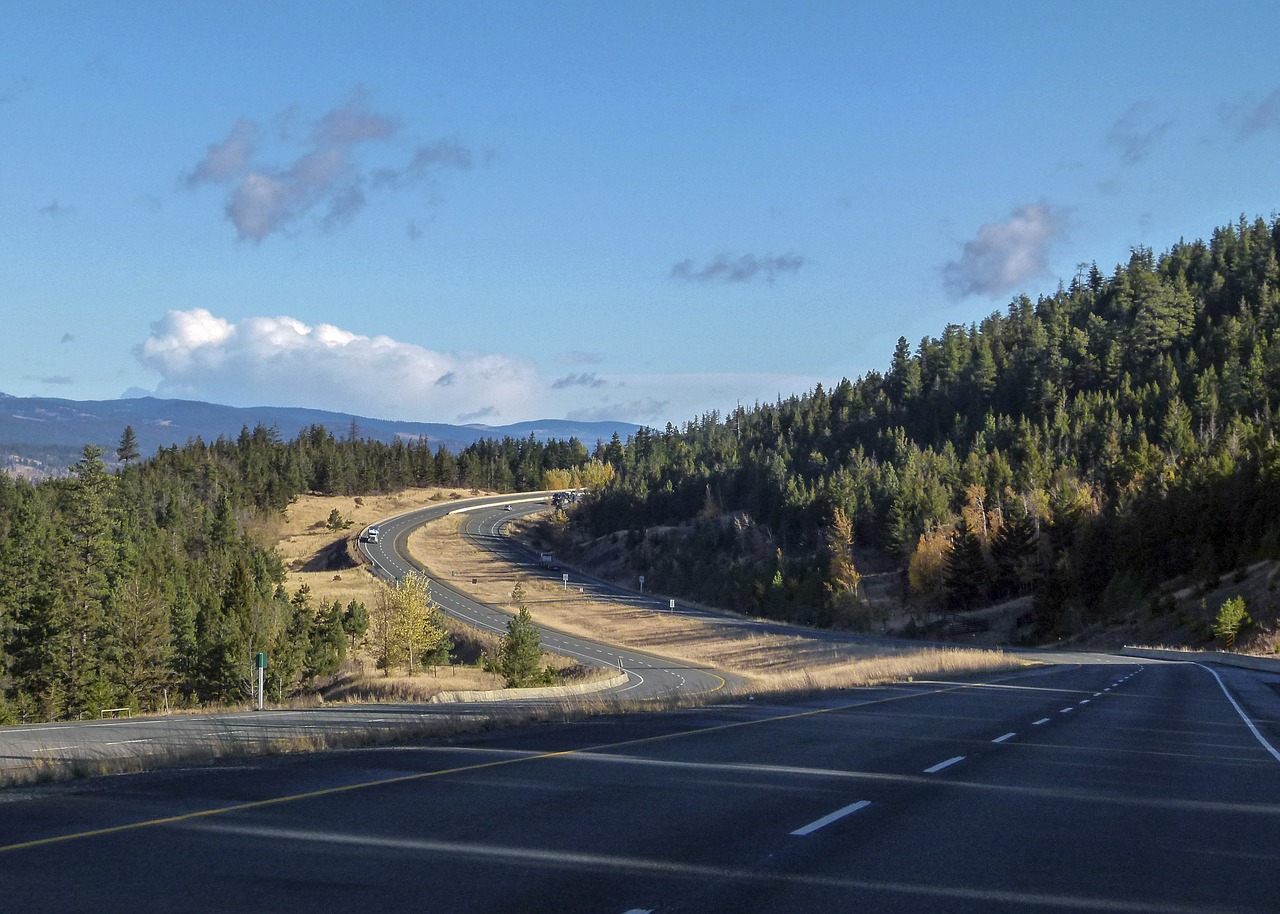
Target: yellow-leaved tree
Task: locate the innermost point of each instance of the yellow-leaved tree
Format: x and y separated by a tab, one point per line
406	627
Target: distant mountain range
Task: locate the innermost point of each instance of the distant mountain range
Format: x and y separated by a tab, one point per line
40	435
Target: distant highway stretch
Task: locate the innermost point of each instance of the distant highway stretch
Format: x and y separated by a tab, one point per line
1112	787
648	676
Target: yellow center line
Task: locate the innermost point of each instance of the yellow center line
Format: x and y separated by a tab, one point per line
461	769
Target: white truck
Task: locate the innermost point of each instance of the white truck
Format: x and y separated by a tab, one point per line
371	535
548	561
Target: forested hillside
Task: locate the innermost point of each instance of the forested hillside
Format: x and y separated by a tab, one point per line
154	586
1082	448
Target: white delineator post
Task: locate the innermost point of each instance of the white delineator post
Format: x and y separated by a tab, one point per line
262	669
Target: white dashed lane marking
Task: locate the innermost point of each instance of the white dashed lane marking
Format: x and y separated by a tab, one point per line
832	817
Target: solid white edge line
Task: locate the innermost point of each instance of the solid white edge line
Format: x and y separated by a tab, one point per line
1239	710
947	764
1001	739
832	817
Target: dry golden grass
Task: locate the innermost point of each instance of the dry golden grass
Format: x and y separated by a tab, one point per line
766	660
437	725
359	689
303	535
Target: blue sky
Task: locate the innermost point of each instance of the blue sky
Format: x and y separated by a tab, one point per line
492	212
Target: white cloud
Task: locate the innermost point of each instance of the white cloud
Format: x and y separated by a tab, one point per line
1004	255
326	177
227	160
283	361
656	399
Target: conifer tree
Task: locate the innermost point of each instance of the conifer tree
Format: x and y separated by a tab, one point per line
520	654
965	573
127	450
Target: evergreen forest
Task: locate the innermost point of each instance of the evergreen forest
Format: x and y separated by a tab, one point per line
1079	449
150	584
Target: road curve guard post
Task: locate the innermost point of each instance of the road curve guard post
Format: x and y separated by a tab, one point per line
261	663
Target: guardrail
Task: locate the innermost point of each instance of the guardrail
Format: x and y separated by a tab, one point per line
583	688
1243	661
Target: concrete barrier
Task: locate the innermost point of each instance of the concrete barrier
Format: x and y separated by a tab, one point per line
583	688
1244	661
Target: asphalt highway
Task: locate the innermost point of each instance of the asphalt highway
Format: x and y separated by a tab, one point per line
648	676
1129	786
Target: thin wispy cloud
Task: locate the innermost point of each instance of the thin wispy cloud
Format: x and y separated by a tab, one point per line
1249	117
579	357
587	379
55	210
1005	255
1137	132
727	268
14	89
488	412
633	410
327	177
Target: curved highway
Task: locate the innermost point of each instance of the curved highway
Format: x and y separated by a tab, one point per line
648	675
485	521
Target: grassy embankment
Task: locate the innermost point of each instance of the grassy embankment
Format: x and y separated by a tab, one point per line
767	662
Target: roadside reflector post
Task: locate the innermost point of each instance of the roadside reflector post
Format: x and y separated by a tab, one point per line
566	582
642	583
261	663
671	605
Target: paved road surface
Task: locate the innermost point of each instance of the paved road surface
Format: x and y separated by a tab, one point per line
649	676
1123	787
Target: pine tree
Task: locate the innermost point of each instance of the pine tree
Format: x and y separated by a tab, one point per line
127	450
965	572
355	622
520	654
1013	552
